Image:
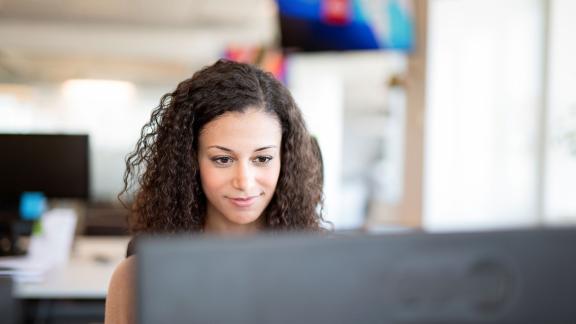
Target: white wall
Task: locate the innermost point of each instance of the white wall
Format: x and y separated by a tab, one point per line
484	95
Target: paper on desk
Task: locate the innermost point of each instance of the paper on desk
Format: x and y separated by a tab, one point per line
46	250
22	269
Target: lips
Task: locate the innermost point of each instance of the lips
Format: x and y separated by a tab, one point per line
243	202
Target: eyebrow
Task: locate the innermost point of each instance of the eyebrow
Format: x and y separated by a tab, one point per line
229	150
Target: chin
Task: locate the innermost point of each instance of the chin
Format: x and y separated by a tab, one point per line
243	219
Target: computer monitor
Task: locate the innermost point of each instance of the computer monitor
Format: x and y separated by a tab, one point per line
55	164
525	276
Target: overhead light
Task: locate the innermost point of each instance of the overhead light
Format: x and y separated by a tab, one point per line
97	93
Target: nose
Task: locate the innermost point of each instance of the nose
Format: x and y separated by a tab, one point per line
244	177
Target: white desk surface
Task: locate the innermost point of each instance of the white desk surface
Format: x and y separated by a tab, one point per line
85	276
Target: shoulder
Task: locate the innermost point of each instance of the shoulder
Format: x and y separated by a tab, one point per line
121	293
124	273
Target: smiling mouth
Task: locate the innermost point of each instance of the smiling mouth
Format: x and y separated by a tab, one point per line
243	201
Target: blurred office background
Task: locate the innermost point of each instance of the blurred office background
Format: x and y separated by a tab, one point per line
469	125
453	115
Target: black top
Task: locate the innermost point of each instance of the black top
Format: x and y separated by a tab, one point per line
131	249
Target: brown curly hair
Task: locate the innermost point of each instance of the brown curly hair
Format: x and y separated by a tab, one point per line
164	165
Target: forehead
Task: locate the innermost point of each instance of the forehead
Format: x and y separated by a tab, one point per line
249	129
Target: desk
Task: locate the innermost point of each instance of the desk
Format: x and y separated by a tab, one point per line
85	276
74	292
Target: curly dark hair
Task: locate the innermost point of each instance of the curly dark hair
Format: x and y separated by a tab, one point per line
164	166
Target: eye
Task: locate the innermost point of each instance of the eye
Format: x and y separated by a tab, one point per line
222	160
263	159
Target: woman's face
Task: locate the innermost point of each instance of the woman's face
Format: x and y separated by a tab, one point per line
239	159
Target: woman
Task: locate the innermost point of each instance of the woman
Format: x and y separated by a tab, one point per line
226	153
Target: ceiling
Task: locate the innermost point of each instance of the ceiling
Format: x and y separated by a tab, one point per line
140	40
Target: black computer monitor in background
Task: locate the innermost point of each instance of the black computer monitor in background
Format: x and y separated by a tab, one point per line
54	164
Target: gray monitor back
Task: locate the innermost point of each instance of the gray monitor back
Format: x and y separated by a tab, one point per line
493	277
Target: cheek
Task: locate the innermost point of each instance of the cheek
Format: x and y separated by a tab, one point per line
269	177
210	177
